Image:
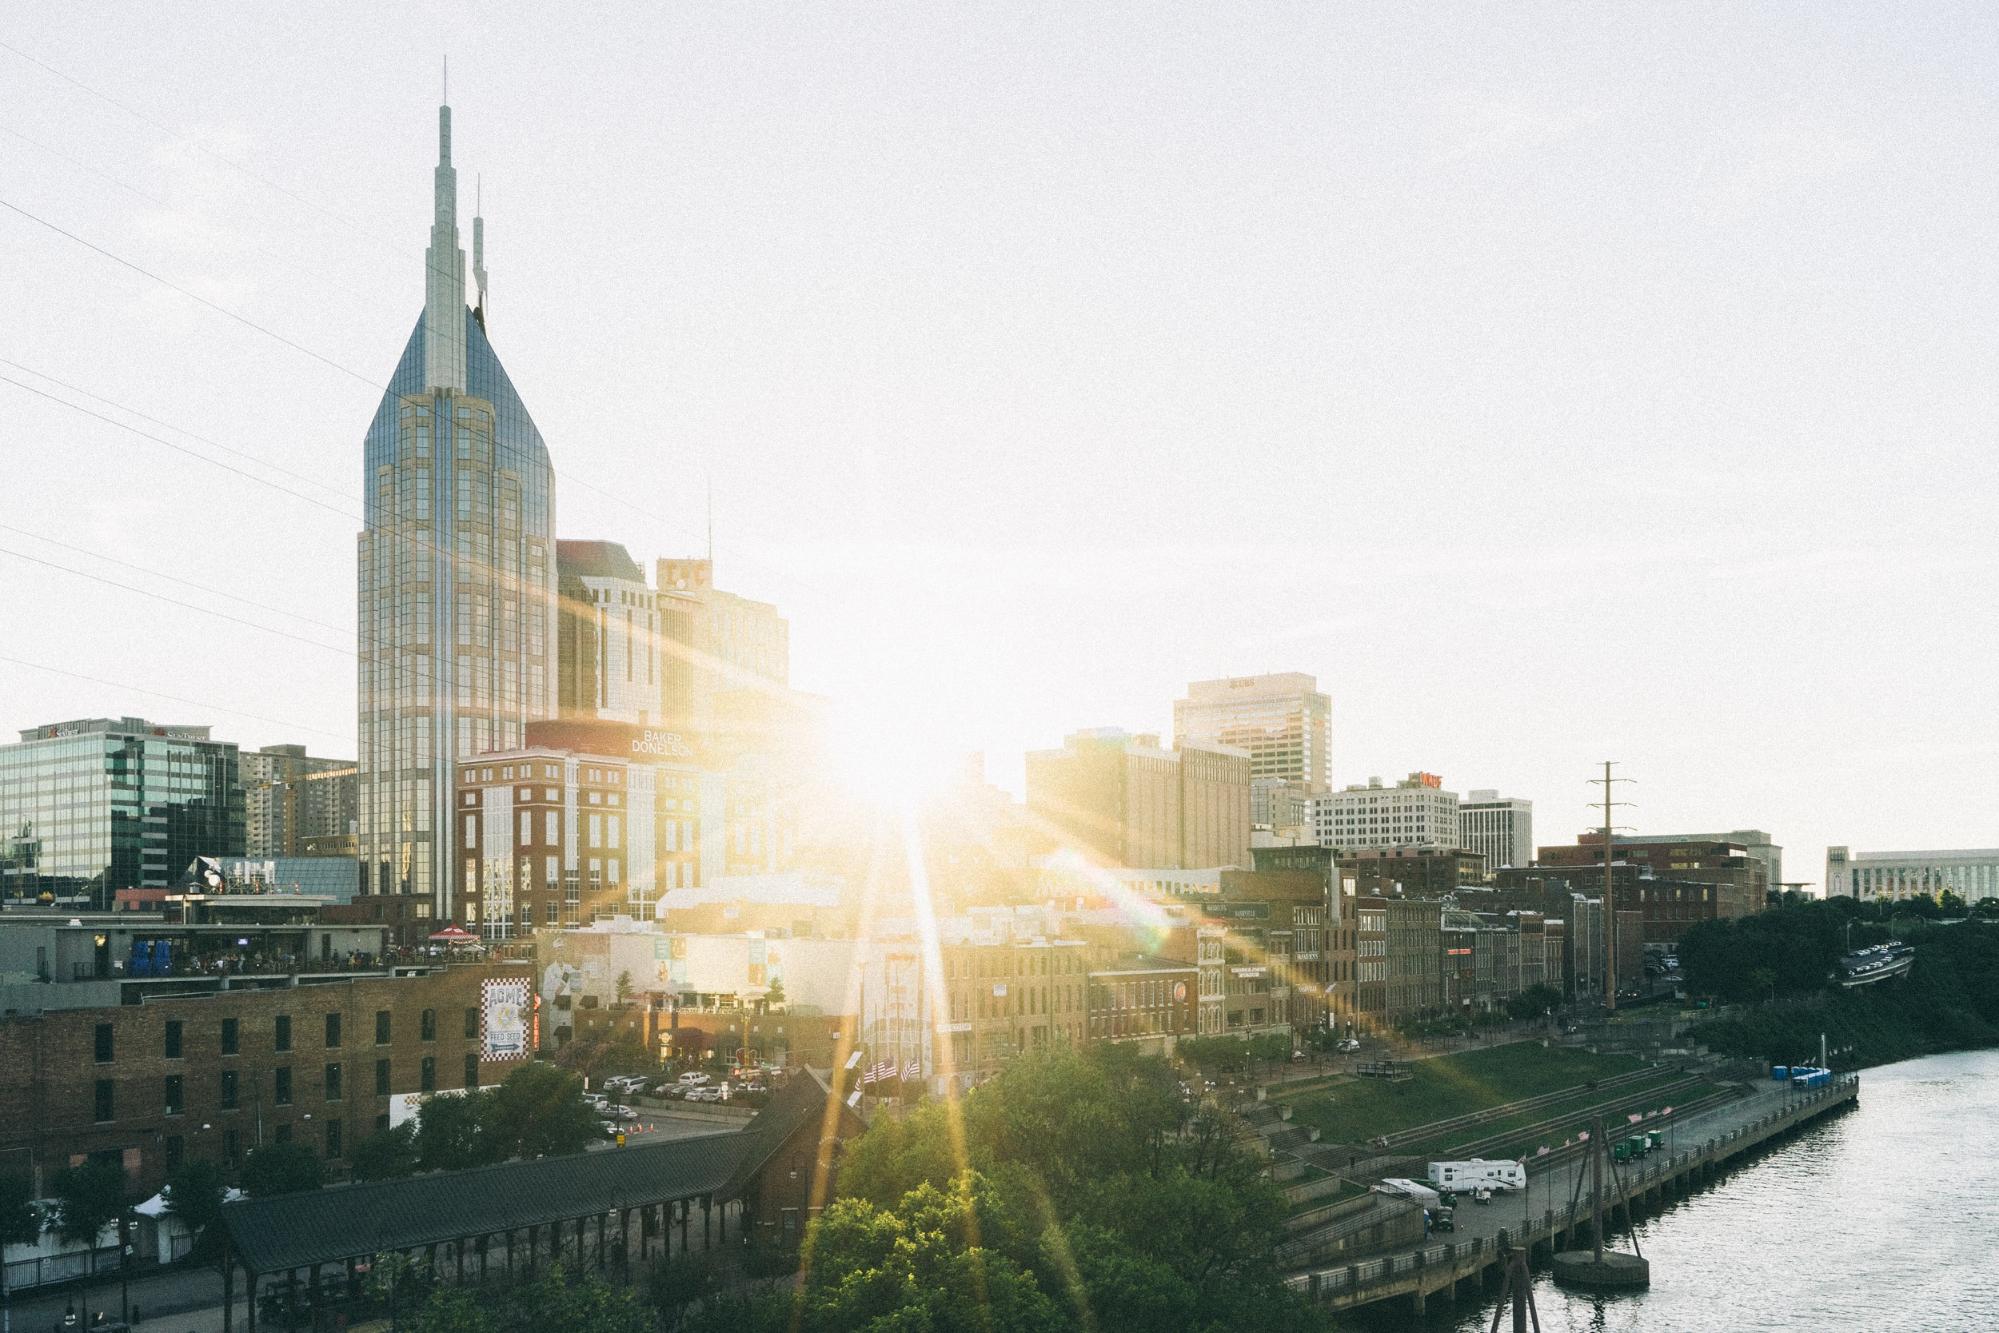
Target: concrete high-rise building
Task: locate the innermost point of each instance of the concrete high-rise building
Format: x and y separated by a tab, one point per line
101	804
713	644
1500	828
1132	802
1282	720
457	571
1971	875
1416	812
297	805
607	635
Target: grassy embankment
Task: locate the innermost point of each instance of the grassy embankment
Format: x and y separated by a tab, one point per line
1455	1085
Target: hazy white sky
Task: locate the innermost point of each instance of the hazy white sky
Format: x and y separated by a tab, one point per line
1556	384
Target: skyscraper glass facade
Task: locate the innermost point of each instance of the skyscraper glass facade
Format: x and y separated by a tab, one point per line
457	575
91	807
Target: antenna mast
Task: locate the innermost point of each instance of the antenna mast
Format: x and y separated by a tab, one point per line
1609	784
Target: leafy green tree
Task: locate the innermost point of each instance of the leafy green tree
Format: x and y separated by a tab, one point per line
281	1168
539	1111
20	1219
1082	1190
624	988
194	1196
453	1310
387	1154
1533	1002
88	1198
1986	909
1950	904
675	1285
451	1132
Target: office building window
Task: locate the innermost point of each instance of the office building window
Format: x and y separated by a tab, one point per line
282	1093
176	1096
281	1033
383	1027
172	1043
232	1145
381	1078
333	1083
471	1021
176	1150
106	1108
229	1090
229	1031
333	1032
472	1069
429	1027
429	1080
106	1048
333	1137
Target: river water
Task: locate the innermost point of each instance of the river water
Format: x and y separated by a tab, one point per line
1885	1218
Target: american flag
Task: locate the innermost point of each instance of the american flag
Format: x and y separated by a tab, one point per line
880	1071
912	1070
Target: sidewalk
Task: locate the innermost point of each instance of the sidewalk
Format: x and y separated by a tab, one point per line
173	1299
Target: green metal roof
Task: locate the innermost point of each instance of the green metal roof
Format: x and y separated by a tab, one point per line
330	1225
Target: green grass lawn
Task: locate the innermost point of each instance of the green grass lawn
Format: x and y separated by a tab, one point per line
1450	1085
1637	1096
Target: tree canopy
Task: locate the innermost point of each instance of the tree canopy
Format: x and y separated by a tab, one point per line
281	1168
194	1193
88	1198
538	1111
20	1219
1076	1189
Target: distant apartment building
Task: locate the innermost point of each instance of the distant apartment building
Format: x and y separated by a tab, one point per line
1500	828
1283	721
588	822
607	661
1144	1000
1415	812
1740	881
1755	844
1413	872
1130	802
96	805
1971	875
298	805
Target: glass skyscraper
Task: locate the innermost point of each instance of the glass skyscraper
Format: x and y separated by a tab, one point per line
102	804
457	571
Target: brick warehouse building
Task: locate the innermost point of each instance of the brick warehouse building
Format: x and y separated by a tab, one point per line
212	1075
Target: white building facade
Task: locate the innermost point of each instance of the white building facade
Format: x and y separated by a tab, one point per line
1415	812
1971	875
1500	828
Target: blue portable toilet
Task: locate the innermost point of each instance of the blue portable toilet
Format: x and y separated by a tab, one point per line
1780	1073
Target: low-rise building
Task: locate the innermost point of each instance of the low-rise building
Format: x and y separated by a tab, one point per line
1972	874
1414	872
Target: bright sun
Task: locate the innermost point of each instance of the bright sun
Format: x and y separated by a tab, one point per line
888	756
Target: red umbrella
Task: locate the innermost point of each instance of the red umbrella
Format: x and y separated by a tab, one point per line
455	935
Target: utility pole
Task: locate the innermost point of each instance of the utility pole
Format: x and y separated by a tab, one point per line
1608	804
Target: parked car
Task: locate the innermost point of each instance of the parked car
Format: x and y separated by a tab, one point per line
693	1080
707	1094
626	1083
621	1112
596	1100
1350	1044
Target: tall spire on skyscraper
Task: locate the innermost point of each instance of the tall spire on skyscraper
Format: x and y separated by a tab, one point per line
479	248
444	275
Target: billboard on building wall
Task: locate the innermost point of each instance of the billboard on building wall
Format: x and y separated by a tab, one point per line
503	1019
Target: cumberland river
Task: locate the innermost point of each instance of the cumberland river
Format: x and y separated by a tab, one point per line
1885	1218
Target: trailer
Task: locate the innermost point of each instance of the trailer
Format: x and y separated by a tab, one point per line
1478	1173
1414	1190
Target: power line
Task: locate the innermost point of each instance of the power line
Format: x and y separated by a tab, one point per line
175	601
192	296
229	162
161	694
171	578
178	448
178	430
